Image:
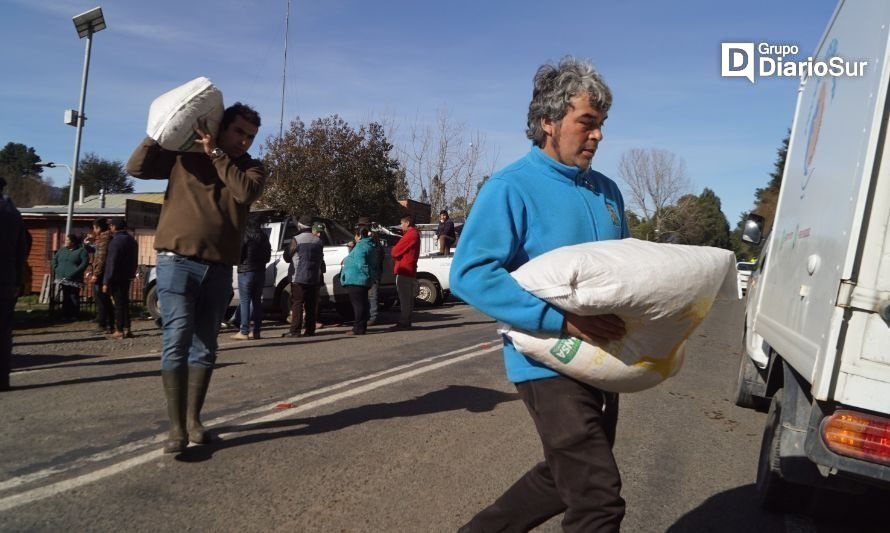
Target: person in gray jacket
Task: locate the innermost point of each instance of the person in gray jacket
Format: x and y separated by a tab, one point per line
306	256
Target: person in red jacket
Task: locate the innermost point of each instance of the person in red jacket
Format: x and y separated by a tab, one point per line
406	253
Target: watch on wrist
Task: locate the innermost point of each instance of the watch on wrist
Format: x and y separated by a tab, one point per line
216	153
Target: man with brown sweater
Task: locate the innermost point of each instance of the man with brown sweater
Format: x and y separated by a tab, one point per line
198	241
99	240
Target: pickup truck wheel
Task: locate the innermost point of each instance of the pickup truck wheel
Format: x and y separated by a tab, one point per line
429	292
151	302
748	373
284	301
775	493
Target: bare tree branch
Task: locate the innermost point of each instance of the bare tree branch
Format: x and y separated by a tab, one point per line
656	179
441	161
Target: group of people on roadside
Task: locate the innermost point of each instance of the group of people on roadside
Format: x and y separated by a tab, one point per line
362	270
115	255
360	274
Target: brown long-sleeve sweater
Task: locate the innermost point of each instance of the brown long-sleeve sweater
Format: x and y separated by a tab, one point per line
101	243
206	203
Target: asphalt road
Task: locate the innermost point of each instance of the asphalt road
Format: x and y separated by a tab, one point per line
409	431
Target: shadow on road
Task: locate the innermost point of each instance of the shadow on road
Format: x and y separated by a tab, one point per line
451	398
738	511
156	373
732	511
32	362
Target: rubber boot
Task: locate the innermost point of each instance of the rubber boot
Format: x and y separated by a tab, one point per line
175	383
199	381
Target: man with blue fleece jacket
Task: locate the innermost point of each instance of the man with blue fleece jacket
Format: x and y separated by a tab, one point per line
548	199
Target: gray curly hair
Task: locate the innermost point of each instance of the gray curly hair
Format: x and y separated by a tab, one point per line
556	85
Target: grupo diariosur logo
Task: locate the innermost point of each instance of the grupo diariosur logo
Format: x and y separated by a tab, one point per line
761	60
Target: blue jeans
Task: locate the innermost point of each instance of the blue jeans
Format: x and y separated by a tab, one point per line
250	292
193	297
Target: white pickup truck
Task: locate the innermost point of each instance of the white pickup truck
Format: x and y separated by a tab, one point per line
432	270
817	324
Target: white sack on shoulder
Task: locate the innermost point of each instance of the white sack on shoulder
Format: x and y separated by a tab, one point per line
661	291
173	115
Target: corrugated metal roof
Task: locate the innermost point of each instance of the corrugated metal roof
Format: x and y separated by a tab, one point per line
92	203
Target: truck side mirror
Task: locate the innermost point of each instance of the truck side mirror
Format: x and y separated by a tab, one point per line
753	230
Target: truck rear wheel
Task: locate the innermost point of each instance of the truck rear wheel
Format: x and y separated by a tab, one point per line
774	492
151	302
429	292
748	373
284	302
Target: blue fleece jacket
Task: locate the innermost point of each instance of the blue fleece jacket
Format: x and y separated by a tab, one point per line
359	267
530	207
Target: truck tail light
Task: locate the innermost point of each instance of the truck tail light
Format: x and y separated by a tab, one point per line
858	435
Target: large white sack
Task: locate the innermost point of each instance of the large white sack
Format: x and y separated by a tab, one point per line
173	115
661	291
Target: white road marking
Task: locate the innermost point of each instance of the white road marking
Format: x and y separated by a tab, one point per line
63	366
52	489
156	439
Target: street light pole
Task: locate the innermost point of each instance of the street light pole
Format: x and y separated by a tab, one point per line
86	25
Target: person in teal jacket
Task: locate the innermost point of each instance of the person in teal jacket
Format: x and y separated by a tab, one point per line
69	264
357	275
548	199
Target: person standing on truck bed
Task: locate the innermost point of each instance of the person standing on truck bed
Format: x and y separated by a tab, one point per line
521	213
198	241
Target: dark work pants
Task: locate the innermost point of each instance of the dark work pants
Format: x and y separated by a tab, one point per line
7	308
70	302
104	308
579	475
359	298
120	295
303	297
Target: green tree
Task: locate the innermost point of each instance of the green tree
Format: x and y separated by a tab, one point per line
96	174
332	170
467	203
458	210
655	180
696	220
766	200
24	183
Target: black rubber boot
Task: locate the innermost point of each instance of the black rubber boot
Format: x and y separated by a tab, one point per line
199	381
175	382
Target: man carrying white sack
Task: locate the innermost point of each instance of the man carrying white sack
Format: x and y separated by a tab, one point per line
548	199
198	241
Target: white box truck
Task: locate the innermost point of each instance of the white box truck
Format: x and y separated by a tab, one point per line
817	325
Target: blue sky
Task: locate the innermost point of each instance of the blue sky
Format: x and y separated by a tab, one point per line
407	59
